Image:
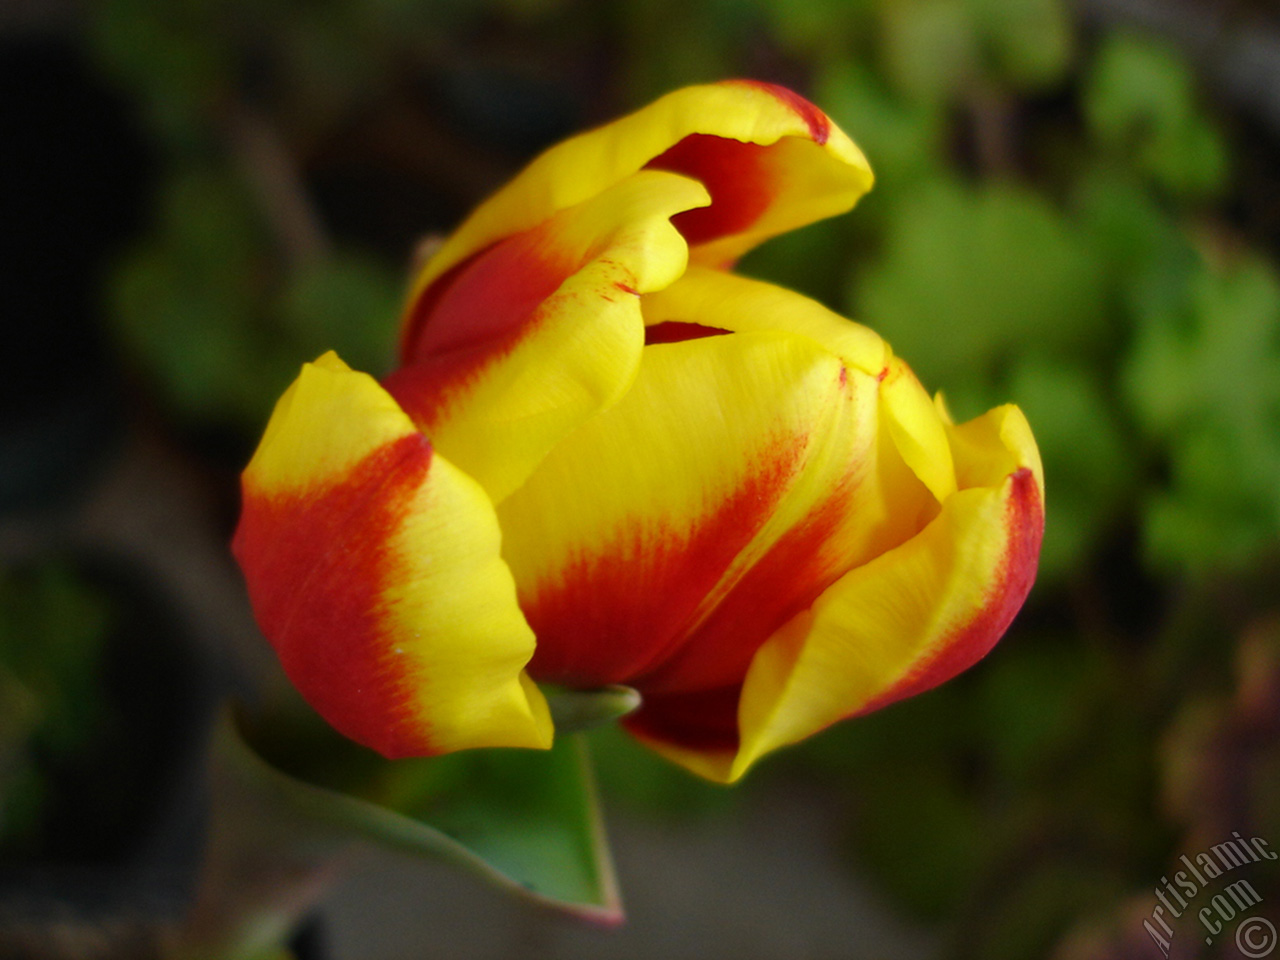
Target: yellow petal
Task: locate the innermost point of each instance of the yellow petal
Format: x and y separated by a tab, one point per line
538	334
818	172
916	426
660	544
374	569
916	616
900	624
727	301
992	446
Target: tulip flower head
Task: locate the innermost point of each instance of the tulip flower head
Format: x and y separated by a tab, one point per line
605	458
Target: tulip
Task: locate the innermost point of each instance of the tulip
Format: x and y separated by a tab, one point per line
607	459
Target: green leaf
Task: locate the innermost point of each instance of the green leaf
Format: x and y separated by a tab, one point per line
1220	512
1204	380
930	47
173	55
1030	41
650	785
1133	234
1137	86
1211	355
344	302
903	140
970	278
52	629
189	300
818	30
936	50
525	820
1142	103
1089	466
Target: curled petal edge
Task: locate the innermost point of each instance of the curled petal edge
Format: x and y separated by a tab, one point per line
374	569
584	165
907	621
497	407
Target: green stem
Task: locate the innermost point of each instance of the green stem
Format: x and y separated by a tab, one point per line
575	710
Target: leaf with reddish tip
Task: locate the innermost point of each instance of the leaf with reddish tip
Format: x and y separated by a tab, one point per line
527	821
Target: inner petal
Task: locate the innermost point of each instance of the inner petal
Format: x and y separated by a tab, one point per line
736	174
625	534
674	331
856	499
517	347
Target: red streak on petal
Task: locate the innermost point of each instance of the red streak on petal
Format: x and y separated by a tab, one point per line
782	583
707	720
607	616
739	176
474	315
421	309
675	331
818	123
423	389
1024	519
736	174
786	579
490	296
316	563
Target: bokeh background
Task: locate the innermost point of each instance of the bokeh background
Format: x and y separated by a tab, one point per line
1077	209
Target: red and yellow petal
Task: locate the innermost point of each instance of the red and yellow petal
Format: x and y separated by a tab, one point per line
629	525
663	542
725	301
374	569
855	498
529	339
780	163
905	622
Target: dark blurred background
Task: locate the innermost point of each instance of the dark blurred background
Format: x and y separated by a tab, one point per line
1077	209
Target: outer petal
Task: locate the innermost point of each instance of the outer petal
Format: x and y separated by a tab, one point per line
374	570
901	624
535	335
663	542
825	172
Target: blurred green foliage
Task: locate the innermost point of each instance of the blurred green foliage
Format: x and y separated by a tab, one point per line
52	627
1141	102
1204	377
1056	222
